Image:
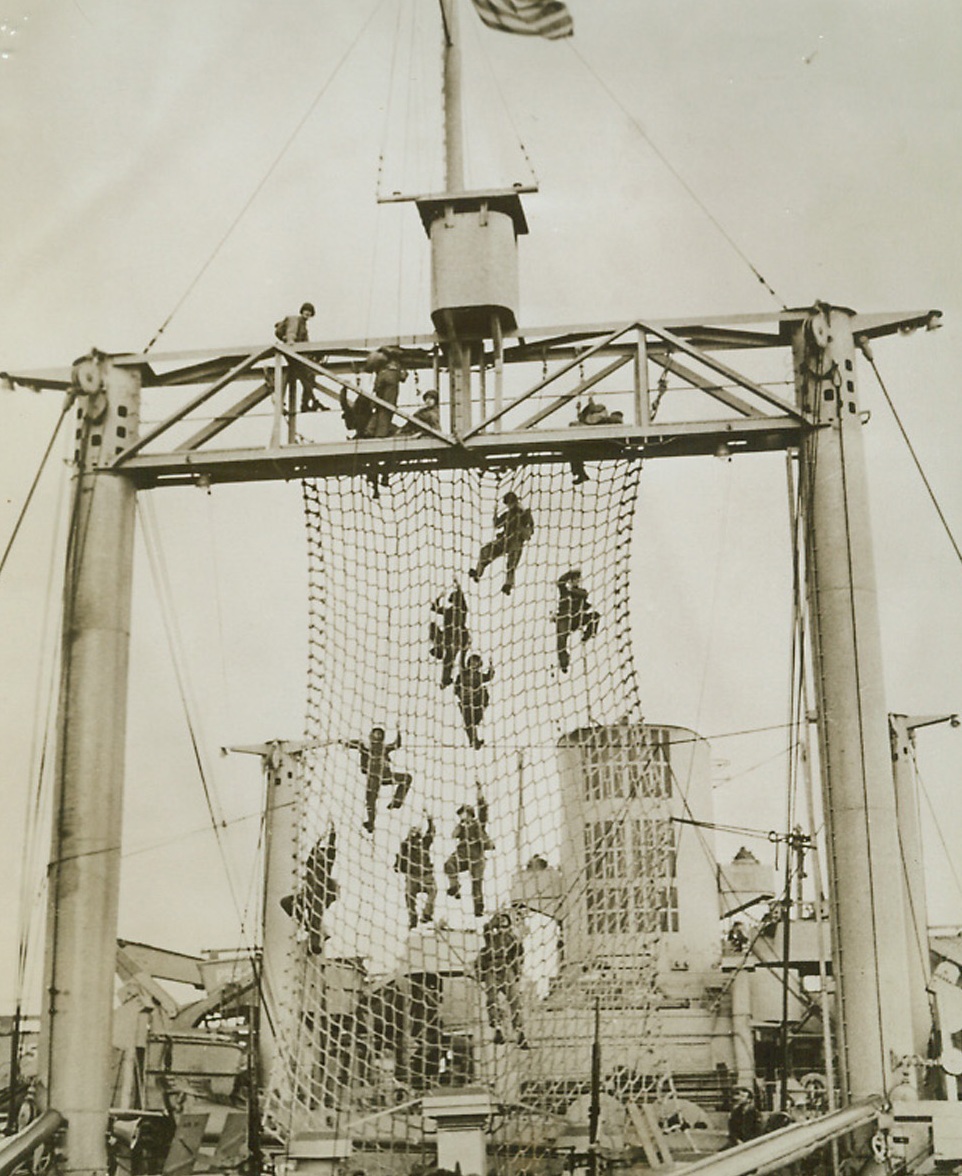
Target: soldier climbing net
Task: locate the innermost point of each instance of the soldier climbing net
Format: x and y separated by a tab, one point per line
526	790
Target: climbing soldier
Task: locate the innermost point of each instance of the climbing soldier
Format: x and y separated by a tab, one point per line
498	968
471	844
376	766
291	330
574	612
514	526
414	862
317	893
451	638
471	691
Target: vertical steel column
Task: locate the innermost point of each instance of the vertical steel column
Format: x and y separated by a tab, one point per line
482	379
642	405
84	874
277	402
463	415
13	1104
743	1037
912	868
459	353
453	356
453	117
826	1002
282	764
459	379
498	348
859	799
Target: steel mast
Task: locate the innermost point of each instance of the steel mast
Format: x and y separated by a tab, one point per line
76	1044
874	985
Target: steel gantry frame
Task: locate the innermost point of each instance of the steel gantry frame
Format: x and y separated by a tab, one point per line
730	413
821	422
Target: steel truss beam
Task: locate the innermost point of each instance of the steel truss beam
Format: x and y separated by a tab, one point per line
599	348
716	332
484	444
491	451
717	393
757	419
755	427
578	390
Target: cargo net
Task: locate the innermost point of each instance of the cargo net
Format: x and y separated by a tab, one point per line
480	856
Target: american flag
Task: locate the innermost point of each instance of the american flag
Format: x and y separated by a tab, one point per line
533	18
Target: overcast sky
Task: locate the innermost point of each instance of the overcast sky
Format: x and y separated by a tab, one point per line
822	137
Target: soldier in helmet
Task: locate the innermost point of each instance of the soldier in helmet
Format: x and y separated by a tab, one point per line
290	330
414	863
591	414
471	691
744	1122
574	613
514	527
318	891
498	968
451	638
471	844
376	766
387	364
429	413
368	419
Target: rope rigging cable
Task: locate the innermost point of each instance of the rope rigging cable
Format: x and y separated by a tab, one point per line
478	844
738	250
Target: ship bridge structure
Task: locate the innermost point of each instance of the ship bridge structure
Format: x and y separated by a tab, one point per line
470	681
